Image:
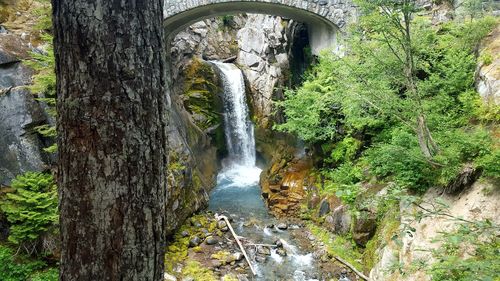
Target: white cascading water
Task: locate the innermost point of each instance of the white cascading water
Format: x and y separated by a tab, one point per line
238	192
238	128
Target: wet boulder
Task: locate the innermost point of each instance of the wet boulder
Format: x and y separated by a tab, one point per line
282	226
281	252
260	259
339	221
195	241
210	240
261	250
324	207
221	224
237	256
364	227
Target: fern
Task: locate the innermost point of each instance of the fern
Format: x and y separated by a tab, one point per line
31	208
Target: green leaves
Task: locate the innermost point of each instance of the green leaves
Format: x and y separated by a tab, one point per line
31	208
17	267
469	253
368	94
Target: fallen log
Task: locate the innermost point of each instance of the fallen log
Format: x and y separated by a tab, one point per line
217	217
229	60
359	273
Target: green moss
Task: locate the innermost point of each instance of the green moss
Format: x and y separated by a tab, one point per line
229	277
222	256
387	229
196	271
177	250
200	91
340	246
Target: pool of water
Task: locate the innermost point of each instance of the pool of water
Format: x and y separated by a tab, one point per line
237	195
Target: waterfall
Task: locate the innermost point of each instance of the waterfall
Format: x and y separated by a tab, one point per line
238	128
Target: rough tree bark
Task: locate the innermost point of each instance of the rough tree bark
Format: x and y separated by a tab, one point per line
110	64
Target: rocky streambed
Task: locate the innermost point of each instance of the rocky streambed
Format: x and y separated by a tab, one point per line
205	249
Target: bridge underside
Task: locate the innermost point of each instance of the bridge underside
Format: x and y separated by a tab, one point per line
322	32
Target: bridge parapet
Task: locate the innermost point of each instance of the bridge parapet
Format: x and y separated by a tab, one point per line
323	17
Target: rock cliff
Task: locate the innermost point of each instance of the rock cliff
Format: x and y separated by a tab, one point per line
21	147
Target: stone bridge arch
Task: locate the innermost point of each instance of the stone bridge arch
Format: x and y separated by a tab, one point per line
324	18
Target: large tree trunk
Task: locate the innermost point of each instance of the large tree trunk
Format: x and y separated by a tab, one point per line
112	103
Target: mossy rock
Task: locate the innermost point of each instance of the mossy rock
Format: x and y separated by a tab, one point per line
202	94
197	271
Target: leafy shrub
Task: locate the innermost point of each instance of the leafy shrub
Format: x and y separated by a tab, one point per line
51	274
490	163
458	147
345	150
31	208
227	20
12	269
401	160
469	253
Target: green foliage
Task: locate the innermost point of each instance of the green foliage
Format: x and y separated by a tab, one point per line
44	80
31	208
345	150
400	160
461	146
366	92
43	15
486	58
490	163
343	181
470	253
227	20
51	274
18	268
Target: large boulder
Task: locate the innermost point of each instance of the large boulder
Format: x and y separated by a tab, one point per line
324	207
339	221
364	227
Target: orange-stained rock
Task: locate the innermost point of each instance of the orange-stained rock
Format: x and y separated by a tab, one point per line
285	182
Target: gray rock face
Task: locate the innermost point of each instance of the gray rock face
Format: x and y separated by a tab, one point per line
488	75
264	43
20	146
364	227
339	221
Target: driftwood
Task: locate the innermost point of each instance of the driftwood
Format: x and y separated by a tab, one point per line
237	241
359	273
229	60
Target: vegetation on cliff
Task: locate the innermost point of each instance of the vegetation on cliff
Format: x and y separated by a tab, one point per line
399	109
30	203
